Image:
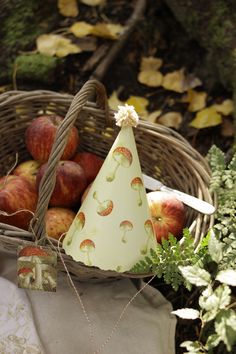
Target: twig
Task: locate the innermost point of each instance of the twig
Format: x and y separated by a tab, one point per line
103	66
95	58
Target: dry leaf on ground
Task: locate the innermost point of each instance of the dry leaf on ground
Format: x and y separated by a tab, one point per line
196	100
149	74
140	104
53	44
92	2
152	117
171	119
174	81
226	107
68	8
179	82
150	78
114	101
150	63
107	30
81	29
207	117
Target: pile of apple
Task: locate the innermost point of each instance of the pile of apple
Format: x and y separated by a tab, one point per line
74	176
74	173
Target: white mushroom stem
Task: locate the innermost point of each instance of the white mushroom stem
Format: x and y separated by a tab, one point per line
26	279
38	274
50	279
37	269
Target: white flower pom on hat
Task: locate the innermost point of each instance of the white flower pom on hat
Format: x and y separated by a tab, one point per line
113	229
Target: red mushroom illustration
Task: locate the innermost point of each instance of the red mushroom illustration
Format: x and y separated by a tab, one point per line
35	255
125	226
87	246
25	277
105	207
78	226
123	157
150	233
137	185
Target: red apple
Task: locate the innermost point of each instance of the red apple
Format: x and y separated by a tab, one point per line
28	169
90	162
58	221
40	135
16	193
70	184
168	214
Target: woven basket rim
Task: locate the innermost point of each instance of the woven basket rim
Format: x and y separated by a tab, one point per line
167	134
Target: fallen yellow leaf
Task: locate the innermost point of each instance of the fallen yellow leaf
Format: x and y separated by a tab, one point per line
152	117
196	100
81	29
207	117
114	101
140	104
68	8
174	81
226	107
179	82
171	120
150	63
53	44
150	78
107	30
92	2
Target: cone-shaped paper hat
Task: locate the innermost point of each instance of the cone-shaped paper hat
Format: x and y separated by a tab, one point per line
113	228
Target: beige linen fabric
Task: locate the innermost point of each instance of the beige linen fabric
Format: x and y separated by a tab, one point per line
147	326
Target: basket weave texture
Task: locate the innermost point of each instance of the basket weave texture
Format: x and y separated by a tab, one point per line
163	153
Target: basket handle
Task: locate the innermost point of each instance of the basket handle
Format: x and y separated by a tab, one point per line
48	181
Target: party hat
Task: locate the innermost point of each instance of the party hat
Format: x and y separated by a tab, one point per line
113	229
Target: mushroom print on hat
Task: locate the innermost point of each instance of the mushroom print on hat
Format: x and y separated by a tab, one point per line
36	268
117	230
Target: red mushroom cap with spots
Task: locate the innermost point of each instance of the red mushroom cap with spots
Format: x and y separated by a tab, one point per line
123	156
24	270
32	251
126	224
136	183
87	245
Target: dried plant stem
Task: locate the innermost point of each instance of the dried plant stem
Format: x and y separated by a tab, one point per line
104	65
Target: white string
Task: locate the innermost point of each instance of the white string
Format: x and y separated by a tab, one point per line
115	327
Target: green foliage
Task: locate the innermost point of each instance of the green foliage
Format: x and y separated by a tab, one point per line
223	183
216	304
216	307
168	256
211	266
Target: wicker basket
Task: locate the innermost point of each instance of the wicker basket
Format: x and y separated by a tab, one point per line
163	153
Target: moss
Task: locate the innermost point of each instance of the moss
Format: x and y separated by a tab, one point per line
37	67
21	24
19	28
220	25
